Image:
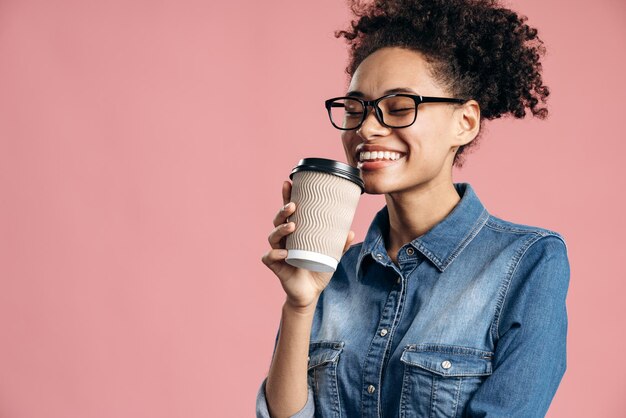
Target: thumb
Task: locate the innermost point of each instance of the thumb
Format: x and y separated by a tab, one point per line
348	242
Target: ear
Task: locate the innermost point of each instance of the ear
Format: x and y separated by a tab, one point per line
467	122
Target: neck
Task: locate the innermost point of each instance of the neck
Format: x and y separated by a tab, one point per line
413	213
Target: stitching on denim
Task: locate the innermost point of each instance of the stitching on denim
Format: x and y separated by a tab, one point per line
455	404
501	303
334	387
512	229
433	395
334	346
498	224
504	290
430	255
534	235
485	366
324	343
435	372
328	344
404	394
370	249
442	348
369	351
478	225
388	342
397	320
504	287
337	398
367	252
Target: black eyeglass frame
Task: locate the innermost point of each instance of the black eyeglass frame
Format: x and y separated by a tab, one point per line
379	113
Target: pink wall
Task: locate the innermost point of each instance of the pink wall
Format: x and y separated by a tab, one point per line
142	149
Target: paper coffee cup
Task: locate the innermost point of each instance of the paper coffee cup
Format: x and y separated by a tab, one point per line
326	194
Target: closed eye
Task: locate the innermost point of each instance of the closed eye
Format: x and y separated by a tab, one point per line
403	110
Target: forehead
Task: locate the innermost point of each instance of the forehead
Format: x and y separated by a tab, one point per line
392	68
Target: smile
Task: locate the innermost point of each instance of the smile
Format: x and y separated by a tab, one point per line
378	155
377	162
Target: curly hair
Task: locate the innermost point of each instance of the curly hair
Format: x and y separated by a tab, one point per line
476	49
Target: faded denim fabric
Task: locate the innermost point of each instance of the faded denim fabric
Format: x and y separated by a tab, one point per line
471	323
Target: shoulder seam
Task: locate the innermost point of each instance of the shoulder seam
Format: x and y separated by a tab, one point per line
533	239
493	224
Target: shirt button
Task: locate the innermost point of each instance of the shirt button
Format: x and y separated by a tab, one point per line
410	251
371	389
446	364
398	281
379	256
383	332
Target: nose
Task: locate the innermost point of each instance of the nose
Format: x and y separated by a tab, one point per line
371	126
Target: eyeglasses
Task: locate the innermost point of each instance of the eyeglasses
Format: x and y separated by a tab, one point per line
393	110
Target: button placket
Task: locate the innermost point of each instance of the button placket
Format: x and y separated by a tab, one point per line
376	359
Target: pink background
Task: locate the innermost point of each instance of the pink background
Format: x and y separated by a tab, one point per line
142	149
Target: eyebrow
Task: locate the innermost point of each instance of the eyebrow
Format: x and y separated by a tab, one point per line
357	93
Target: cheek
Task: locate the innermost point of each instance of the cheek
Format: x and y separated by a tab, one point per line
425	142
414	138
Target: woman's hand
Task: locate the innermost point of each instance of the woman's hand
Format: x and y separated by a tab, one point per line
302	287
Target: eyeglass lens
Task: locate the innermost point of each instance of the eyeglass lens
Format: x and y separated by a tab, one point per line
398	111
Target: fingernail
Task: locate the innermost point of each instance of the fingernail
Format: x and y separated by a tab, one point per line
286	206
282	253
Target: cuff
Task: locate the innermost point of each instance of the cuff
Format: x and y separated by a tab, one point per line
308	411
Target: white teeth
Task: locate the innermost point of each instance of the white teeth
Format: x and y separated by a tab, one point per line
375	155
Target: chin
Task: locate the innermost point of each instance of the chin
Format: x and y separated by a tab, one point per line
369	190
377	187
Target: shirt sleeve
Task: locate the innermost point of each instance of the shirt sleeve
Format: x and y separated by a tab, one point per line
262	410
531	329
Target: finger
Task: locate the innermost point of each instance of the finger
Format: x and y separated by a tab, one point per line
279	233
286	192
348	241
285	212
273	259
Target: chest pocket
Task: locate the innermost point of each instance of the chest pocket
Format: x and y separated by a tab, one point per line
439	379
322	377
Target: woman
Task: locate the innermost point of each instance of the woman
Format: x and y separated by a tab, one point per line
443	310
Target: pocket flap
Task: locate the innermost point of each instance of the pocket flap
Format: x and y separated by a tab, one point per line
446	360
322	352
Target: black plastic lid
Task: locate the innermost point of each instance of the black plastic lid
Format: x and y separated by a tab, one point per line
331	167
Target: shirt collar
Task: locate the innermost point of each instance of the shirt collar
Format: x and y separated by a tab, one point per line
442	243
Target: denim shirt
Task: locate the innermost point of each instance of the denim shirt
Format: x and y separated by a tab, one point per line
471	322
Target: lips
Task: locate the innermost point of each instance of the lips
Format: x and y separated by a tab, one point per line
368	153
369	158
378	155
